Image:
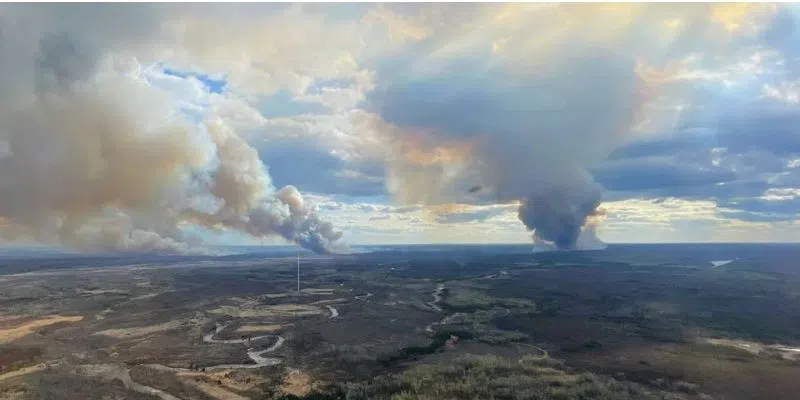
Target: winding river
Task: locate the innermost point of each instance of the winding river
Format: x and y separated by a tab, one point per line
437	297
334	311
256	355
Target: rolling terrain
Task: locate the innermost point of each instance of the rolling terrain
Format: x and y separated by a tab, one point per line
402	322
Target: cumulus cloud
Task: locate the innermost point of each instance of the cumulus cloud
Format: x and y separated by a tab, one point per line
316	168
740	147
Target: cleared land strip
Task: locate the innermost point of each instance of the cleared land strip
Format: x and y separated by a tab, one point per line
26	328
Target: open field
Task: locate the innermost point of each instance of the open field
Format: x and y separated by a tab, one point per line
632	322
127	333
22	371
24	328
258	328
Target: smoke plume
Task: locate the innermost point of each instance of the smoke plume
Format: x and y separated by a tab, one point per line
94	158
558	216
250	203
523	101
528	137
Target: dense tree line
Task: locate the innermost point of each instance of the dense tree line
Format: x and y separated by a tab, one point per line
492	377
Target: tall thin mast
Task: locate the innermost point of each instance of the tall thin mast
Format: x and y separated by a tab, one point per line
298	272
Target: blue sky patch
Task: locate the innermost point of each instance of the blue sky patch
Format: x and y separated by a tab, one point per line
212	85
283	104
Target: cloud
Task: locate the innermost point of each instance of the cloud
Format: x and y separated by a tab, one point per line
315	169
765	208
554	107
732	160
660	175
213	85
284	104
769	128
477	215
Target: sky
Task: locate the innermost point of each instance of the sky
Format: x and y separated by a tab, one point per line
177	126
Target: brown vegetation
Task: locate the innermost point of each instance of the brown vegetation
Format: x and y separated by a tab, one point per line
23	329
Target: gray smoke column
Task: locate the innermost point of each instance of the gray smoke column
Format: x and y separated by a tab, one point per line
559	216
94	158
527	136
299	225
251	204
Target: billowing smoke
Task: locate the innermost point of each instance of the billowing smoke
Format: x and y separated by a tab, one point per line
250	203
94	158
298	224
558	216
523	101
527	138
